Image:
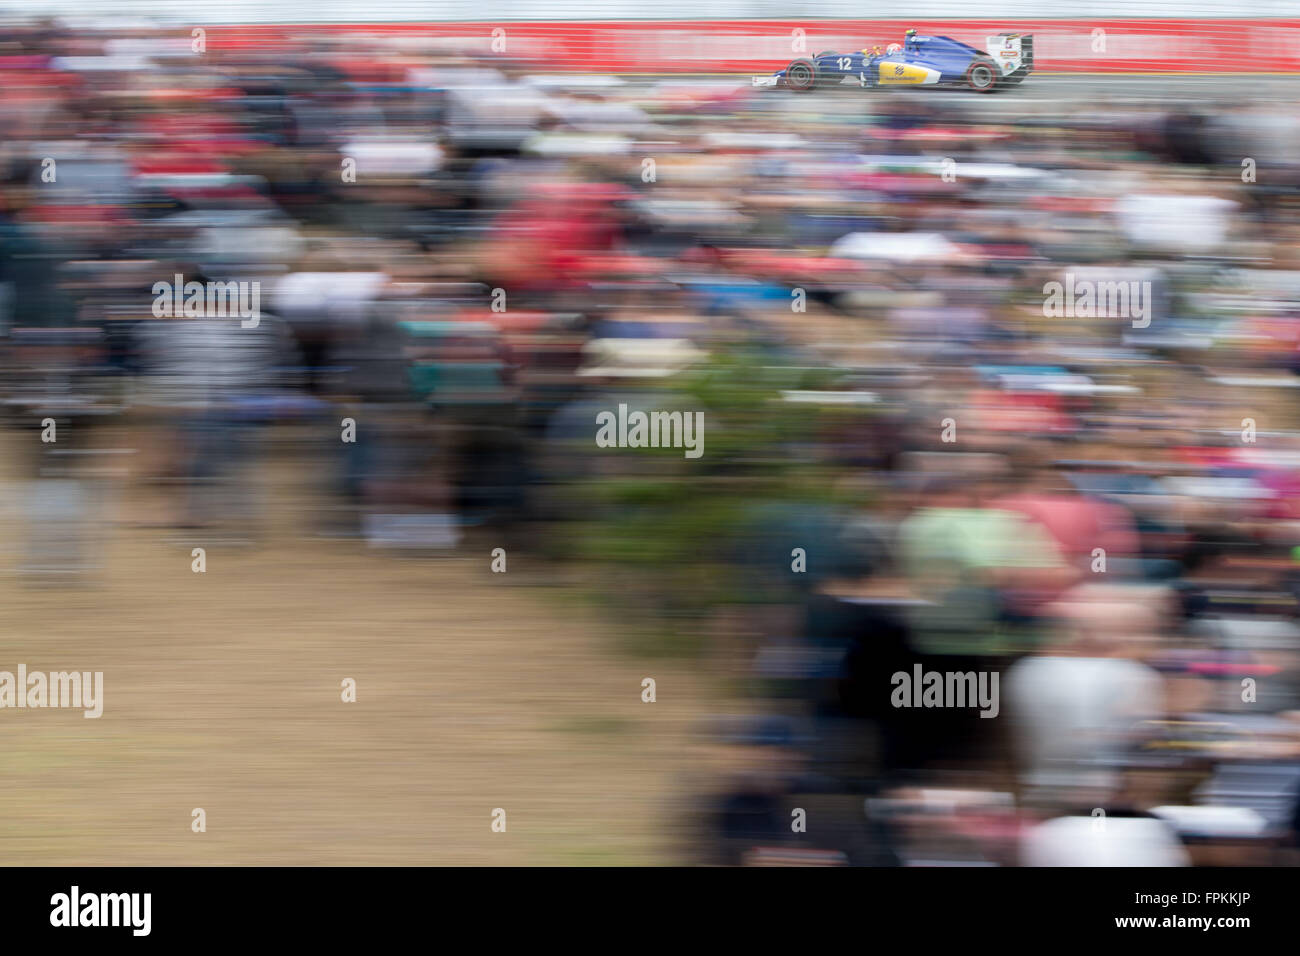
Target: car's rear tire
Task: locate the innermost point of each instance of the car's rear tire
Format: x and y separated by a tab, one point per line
982	76
801	75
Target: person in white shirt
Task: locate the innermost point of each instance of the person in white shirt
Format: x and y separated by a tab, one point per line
1076	706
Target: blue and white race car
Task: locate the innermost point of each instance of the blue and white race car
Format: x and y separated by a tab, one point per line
917	61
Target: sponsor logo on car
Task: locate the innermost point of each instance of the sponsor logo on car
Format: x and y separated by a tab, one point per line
906	74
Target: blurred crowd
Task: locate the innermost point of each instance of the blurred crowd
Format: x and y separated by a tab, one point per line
460	263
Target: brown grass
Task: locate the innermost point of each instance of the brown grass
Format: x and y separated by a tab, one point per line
222	691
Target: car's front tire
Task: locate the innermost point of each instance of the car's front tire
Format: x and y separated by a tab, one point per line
801	75
982	76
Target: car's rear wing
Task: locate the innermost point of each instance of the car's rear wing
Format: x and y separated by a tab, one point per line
1014	53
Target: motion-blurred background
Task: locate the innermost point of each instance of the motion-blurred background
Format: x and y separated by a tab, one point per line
466	245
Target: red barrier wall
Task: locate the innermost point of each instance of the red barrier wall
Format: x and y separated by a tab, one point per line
744	46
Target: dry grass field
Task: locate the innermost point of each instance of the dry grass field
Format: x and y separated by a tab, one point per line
222	690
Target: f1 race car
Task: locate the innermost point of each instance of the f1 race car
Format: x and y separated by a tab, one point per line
918	61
